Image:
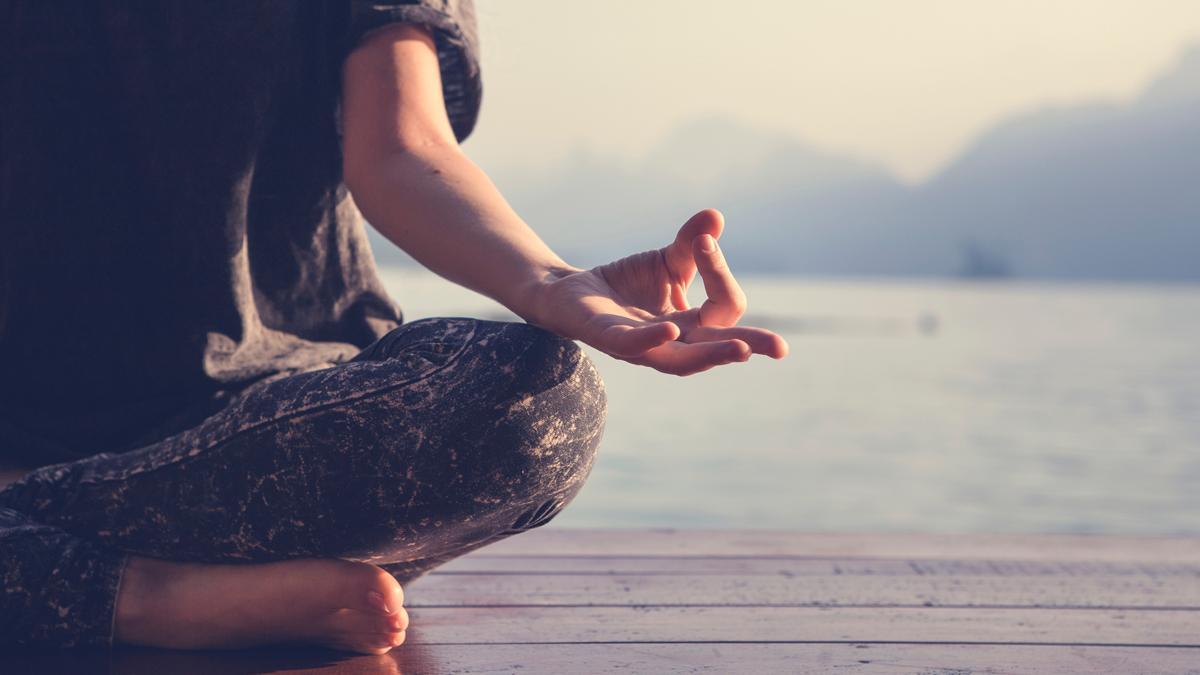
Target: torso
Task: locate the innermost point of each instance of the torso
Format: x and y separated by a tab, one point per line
172	218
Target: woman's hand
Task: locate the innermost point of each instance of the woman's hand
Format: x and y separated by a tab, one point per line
636	308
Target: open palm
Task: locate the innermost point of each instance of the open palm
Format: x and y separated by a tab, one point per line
636	308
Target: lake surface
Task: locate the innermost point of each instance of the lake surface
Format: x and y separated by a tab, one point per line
908	406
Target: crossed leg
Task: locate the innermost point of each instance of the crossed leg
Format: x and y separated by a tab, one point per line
270	520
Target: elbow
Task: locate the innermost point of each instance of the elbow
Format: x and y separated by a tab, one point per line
356	174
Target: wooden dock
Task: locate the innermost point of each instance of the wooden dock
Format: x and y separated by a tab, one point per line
683	601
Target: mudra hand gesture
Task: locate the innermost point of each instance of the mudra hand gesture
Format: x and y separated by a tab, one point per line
636	308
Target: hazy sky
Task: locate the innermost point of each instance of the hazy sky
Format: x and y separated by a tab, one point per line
902	82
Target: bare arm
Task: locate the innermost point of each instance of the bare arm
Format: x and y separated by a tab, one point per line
412	182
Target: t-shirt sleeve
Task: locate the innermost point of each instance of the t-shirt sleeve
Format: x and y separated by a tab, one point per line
455	32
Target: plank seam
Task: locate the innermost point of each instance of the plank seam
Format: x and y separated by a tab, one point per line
785	556
840	573
814	605
1130	645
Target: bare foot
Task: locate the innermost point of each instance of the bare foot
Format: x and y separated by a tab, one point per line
335	603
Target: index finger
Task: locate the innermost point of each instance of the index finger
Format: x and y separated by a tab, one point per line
679	256
726	302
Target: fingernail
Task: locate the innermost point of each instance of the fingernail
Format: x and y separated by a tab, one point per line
375	599
708	244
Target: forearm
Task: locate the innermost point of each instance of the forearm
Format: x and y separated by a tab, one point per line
442	209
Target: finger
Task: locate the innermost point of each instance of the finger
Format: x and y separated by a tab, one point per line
726	302
761	340
680	358
626	340
678	254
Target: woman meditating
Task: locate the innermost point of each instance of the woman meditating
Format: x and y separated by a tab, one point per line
222	433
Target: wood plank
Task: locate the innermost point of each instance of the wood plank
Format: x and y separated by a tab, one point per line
668	659
469	625
673	542
759	601
794	567
798	659
643	658
1130	591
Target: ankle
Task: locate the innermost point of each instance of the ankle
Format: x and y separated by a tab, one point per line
143	583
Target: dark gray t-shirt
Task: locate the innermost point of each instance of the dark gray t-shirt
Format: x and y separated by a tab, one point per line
173	223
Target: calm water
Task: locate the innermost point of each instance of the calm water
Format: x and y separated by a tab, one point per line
909	407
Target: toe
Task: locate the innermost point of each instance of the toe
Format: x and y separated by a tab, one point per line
355	622
394	623
399	620
376	644
373	589
363	644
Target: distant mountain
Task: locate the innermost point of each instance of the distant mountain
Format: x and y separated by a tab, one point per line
1097	191
1094	191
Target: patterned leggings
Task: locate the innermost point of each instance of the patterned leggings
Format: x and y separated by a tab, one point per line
443	436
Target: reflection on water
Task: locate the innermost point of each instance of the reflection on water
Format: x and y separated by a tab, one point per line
909	407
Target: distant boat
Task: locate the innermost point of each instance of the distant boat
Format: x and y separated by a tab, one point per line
980	262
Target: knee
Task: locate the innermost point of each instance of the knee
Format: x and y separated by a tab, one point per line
511	418
551	409
546	409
